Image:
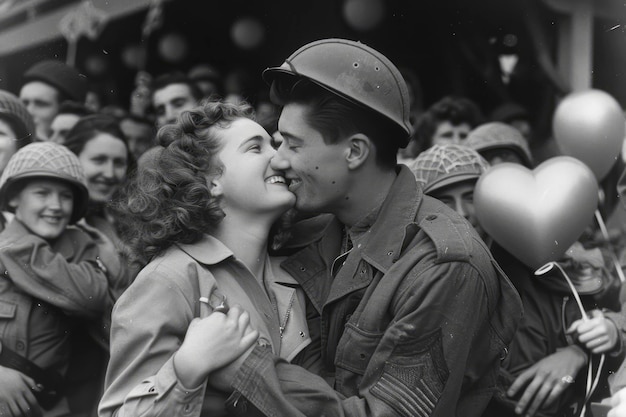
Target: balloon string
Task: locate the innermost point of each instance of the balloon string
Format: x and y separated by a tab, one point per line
605	233
592	381
547	267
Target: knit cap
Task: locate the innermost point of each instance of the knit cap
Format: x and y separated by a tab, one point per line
13	111
61	76
45	160
497	135
443	165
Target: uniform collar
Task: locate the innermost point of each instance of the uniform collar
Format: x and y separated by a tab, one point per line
386	236
208	250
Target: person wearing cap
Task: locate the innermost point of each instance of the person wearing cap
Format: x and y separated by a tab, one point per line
498	142
16	127
52	276
449	173
45	86
410	313
514	115
16	131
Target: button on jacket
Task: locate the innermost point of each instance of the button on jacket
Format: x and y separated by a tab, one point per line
151	318
415	323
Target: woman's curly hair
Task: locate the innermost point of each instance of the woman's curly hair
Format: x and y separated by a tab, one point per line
455	109
170	201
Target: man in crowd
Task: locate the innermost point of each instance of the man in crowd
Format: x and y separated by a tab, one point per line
46	85
69	114
407	307
173	93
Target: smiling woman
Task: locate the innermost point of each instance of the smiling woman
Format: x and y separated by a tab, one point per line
202	215
102	149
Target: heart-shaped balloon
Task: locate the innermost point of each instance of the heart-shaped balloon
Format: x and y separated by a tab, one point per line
536	214
589	125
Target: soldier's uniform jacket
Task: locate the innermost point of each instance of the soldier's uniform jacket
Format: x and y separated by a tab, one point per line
415	322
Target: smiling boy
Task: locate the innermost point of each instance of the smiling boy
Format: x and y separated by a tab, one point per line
51	271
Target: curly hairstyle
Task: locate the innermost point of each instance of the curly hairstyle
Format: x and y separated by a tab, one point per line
456	110
170	201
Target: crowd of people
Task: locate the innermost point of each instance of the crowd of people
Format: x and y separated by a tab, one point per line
315	253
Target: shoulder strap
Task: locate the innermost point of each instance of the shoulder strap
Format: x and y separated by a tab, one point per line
451	237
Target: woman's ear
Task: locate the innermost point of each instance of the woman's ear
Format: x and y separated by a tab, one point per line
358	151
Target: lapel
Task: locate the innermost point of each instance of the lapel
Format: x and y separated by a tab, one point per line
380	248
232	277
290	306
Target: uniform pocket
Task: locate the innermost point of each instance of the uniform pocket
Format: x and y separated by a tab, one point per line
414	377
7	310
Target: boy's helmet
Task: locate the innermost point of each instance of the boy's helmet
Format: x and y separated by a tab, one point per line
497	135
355	72
442	165
45	160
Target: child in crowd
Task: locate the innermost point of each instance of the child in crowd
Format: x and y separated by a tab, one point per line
52	273
544	371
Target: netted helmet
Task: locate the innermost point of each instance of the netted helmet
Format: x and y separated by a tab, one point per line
443	165
353	71
45	160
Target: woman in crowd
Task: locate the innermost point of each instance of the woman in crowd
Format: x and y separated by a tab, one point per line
102	149
448	121
201	215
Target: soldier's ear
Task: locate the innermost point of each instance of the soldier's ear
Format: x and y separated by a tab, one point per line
358	150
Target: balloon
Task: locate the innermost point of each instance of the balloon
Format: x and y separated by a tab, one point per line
363	15
96	65
536	215
134	56
173	47
247	33
589	125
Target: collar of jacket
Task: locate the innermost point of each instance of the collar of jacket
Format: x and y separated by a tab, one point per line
65	244
386	237
207	251
381	247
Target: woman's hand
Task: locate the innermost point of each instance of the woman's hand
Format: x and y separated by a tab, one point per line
598	334
546	380
618	404
16	391
211	343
